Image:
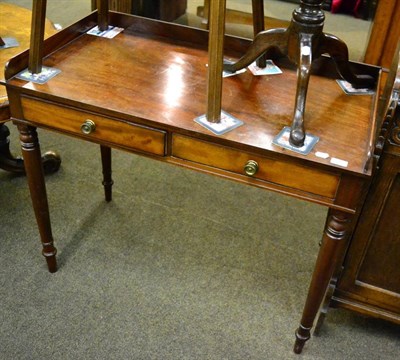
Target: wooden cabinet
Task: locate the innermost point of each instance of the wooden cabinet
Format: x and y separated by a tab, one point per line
370	280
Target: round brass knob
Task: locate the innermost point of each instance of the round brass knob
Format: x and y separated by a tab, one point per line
88	127
251	168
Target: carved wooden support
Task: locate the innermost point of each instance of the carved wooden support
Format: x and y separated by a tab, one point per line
34	169
333	245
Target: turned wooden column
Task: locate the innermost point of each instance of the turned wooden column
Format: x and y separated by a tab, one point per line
334	240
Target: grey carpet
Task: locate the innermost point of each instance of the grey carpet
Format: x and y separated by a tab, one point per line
180	265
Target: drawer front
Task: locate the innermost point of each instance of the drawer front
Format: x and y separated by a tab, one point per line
112	131
279	172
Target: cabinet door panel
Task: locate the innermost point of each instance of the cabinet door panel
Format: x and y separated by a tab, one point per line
381	264
371	273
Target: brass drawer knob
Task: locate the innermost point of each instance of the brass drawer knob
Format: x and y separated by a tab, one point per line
251	168
88	127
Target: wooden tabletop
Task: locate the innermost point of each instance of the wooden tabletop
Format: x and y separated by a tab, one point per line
161	82
15	22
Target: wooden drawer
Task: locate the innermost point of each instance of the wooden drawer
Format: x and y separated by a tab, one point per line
287	174
127	135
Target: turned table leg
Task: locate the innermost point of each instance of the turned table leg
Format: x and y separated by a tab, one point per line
333	245
35	175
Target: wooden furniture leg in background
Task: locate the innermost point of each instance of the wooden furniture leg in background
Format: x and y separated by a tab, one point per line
106	164
217	11
34	171
257	20
37	36
51	161
215	60
333	245
102	17
7	161
206	12
258	26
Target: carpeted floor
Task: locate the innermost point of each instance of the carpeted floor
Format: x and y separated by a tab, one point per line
179	265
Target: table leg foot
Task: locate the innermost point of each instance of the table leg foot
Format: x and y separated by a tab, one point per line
302	335
50	255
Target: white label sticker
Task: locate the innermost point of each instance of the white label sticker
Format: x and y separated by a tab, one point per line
270	69
339	162
109	33
322	155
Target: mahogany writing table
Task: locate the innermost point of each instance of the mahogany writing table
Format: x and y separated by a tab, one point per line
141	92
